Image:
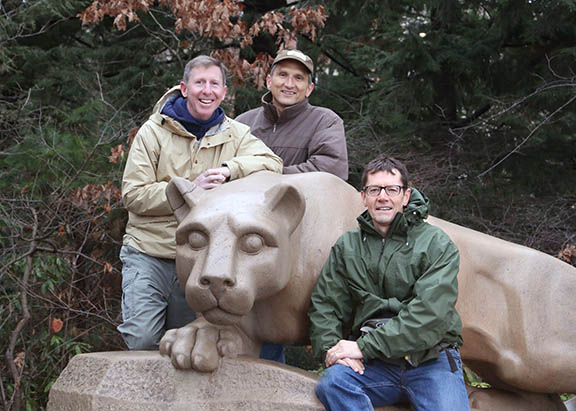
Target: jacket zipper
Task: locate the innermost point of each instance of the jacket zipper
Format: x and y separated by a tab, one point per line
195	146
274	129
385	269
381	252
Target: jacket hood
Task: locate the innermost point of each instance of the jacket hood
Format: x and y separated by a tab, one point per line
172	124
418	206
415	212
164	120
169	95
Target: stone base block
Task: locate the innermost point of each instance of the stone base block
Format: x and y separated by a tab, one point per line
146	381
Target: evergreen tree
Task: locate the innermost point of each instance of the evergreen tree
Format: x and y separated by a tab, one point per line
476	95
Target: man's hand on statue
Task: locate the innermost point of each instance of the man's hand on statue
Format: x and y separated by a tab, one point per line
343	349
355	364
212	177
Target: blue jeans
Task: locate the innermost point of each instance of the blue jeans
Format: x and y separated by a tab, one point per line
432	386
152	299
273	352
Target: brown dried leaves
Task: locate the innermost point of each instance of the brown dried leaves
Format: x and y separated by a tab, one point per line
219	20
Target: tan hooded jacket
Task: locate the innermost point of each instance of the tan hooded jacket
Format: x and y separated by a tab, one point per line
163	149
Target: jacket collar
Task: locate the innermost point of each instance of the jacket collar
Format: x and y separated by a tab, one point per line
173	125
287	114
216	135
415	212
399	226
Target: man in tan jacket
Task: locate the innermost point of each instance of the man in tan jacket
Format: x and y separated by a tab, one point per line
188	135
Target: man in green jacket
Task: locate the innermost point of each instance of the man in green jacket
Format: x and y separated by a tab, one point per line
188	135
401	273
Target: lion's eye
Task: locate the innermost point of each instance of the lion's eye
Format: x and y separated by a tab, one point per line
251	243
197	240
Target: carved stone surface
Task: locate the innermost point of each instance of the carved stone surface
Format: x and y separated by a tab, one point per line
499	400
145	381
516	305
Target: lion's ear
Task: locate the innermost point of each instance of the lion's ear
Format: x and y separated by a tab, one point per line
179	193
287	203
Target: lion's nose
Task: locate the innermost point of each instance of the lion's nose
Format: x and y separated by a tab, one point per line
217	283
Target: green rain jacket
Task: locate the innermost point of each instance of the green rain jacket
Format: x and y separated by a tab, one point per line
412	273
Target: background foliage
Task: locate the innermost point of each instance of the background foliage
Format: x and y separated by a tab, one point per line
476	96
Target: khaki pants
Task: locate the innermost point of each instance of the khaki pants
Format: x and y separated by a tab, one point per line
152	299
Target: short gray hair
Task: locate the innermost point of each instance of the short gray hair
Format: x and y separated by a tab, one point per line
204	61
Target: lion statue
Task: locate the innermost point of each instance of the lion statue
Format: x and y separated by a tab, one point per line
249	253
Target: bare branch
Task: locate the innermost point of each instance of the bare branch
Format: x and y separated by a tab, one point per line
16	369
534	130
547	87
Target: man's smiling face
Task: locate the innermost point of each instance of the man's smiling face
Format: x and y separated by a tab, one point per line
383	208
204	91
289	84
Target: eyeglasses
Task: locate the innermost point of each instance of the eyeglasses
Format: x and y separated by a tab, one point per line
391	191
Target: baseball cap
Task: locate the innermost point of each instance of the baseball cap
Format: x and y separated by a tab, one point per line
295	55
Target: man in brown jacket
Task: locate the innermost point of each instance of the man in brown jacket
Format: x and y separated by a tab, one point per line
188	135
306	137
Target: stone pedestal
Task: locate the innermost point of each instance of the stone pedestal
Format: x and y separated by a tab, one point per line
146	381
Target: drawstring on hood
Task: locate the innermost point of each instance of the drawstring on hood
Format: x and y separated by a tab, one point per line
418	207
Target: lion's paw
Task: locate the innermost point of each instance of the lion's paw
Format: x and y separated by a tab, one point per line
200	345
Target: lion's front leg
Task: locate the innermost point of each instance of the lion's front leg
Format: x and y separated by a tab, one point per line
200	345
